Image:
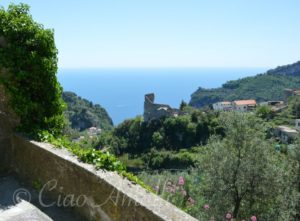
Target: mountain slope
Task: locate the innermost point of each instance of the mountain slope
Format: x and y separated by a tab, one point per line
83	114
287	70
262	87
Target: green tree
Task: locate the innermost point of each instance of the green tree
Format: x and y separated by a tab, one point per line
264	112
183	104
294	153
28	66
244	174
295	105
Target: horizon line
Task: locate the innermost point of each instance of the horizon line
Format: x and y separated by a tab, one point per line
166	67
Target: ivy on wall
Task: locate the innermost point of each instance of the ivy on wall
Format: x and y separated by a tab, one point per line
28	67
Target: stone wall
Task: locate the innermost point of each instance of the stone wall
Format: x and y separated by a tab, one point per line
106	196
100	195
8	121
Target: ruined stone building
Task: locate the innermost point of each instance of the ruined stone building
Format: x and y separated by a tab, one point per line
155	111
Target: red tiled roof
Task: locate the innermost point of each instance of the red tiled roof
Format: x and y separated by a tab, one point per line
245	102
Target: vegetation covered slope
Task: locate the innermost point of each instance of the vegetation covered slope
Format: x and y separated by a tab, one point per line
288	70
28	66
83	114
262	87
160	143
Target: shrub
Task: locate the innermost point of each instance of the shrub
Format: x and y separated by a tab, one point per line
28	61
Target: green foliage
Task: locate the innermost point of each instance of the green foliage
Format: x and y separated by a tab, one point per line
186	196
174	133
242	172
132	162
262	87
101	159
169	159
83	114
162	143
295	107
239	172
294	154
28	66
289	114
37	184
264	112
183	105
287	70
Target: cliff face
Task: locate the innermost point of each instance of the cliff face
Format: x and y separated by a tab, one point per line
262	87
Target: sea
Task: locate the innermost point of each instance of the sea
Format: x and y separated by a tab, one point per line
121	91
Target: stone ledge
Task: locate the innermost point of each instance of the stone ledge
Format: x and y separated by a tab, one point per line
23	211
108	196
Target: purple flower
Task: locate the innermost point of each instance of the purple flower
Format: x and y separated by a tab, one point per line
206	207
228	216
181	181
253	218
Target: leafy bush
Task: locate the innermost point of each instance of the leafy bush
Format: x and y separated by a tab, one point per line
295	107
181	188
242	172
169	159
28	66
101	160
264	112
173	133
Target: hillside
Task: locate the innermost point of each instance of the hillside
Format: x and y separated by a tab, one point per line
83	114
287	70
262	87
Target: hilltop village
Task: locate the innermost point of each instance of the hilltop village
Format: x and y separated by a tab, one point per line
285	134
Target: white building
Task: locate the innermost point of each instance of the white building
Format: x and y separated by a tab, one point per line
244	105
92	131
224	105
285	134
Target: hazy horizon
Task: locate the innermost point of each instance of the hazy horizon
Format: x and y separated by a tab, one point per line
121	91
171	33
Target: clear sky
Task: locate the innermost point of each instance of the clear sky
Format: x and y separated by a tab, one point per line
171	33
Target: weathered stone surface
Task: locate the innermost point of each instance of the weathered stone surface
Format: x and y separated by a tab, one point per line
104	196
23	211
5	155
12	190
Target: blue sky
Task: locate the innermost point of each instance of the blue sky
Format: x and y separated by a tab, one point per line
171	33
